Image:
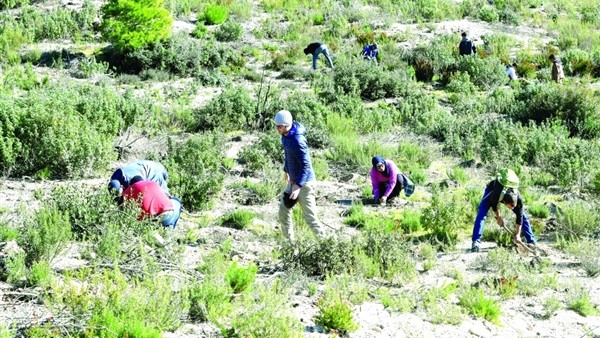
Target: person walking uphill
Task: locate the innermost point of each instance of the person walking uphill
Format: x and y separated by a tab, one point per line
299	176
153	201
315	49
148	170
388	181
503	190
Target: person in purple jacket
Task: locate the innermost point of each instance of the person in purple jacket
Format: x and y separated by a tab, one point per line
386	178
299	176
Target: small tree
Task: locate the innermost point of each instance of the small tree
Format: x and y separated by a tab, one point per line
134	24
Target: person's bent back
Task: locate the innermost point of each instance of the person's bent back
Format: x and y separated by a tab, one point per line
153	201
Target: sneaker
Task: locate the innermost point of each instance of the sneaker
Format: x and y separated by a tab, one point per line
475	247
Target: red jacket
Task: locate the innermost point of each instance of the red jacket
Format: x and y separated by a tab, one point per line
151	197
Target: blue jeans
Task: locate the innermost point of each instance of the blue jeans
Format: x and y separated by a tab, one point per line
322	49
484	207
171	217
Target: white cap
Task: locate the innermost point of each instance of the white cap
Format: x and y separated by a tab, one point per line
283	118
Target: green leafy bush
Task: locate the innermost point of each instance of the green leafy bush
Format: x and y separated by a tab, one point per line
268	313
578	219
367	80
233	109
133	24
574	105
210	301
229	31
7	4
215	14
445	218
539	210
335	313
238	219
436	59
240	278
194	170
480	306
46	235
485	73
40	274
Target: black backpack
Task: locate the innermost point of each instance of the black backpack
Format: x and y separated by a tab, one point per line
465	47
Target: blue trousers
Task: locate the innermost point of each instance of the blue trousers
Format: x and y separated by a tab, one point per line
171	218
484	207
321	50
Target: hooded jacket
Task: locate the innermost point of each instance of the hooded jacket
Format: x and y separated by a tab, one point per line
148	170
297	164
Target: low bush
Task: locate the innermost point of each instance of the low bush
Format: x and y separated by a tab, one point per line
436	59
481	306
45	235
485	73
240	279
194	169
268	313
229	31
445	218
215	14
238	219
578	219
210	301
40	274
335	313
574	105
131	25
539	210
8	4
233	109
579	301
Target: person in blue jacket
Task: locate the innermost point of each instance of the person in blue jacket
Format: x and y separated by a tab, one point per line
370	52
298	174
148	170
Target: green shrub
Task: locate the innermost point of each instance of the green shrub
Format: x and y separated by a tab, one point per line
46	235
180	55
210	301
488	14
367	80
7	4
233	109
574	105
39	274
261	192
577	62
13	269
200	30
410	221
580	302
578	219
240	279
335	313
551	305
436	59
215	14
194	170
480	306
460	82
389	250
238	219
267	314
485	73
132	24
229	31
445	218
539	210
356	216
326	256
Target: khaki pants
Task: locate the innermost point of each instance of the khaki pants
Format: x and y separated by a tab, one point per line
306	199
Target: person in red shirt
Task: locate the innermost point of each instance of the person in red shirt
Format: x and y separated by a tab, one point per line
153	201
